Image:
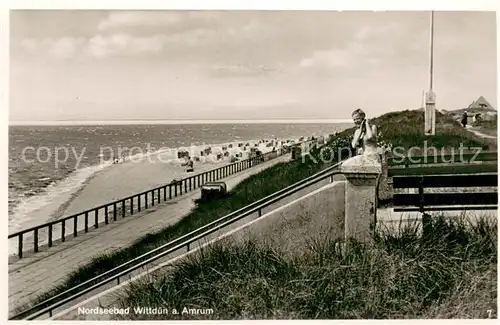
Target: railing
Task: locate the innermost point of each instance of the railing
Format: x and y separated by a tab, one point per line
81	222
184	241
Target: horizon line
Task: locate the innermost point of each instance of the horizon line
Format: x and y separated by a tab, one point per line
179	121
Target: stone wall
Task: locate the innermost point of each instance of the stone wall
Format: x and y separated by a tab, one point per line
292	226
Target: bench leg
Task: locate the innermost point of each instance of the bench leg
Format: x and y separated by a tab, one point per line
426	225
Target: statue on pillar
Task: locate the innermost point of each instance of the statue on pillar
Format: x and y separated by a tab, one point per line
364	141
362	173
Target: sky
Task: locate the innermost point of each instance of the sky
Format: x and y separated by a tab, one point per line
113	65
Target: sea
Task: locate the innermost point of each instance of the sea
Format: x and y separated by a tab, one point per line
48	161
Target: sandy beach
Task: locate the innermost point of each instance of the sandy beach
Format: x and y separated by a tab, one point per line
129	178
121	180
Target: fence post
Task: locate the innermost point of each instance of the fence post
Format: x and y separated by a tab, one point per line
75	226
114	211
20	246
86	221
106	221
63	230
50	235
35	240
123	208
139	203
96	218
132	205
362	173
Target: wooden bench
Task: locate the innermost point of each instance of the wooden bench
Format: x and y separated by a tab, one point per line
439	178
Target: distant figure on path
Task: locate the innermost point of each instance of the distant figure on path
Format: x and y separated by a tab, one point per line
464	119
365	136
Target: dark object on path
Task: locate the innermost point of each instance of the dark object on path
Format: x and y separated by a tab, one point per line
213	191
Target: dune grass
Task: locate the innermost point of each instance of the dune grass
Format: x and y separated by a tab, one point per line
450	274
408	134
409	131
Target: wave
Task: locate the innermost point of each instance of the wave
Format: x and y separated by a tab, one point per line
40	208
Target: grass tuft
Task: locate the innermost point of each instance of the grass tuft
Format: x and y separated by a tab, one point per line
451	274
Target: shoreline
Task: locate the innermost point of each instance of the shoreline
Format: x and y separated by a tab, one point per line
58	214
132	176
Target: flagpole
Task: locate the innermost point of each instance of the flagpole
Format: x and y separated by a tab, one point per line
430	102
431	54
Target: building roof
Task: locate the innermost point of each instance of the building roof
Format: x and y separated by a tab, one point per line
481	102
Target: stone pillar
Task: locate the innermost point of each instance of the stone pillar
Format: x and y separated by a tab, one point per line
361	173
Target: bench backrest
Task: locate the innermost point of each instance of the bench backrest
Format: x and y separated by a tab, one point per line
451	171
467	163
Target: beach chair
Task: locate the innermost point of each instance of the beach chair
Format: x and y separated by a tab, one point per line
213	191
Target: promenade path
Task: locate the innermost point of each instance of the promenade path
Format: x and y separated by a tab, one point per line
34	275
479	133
